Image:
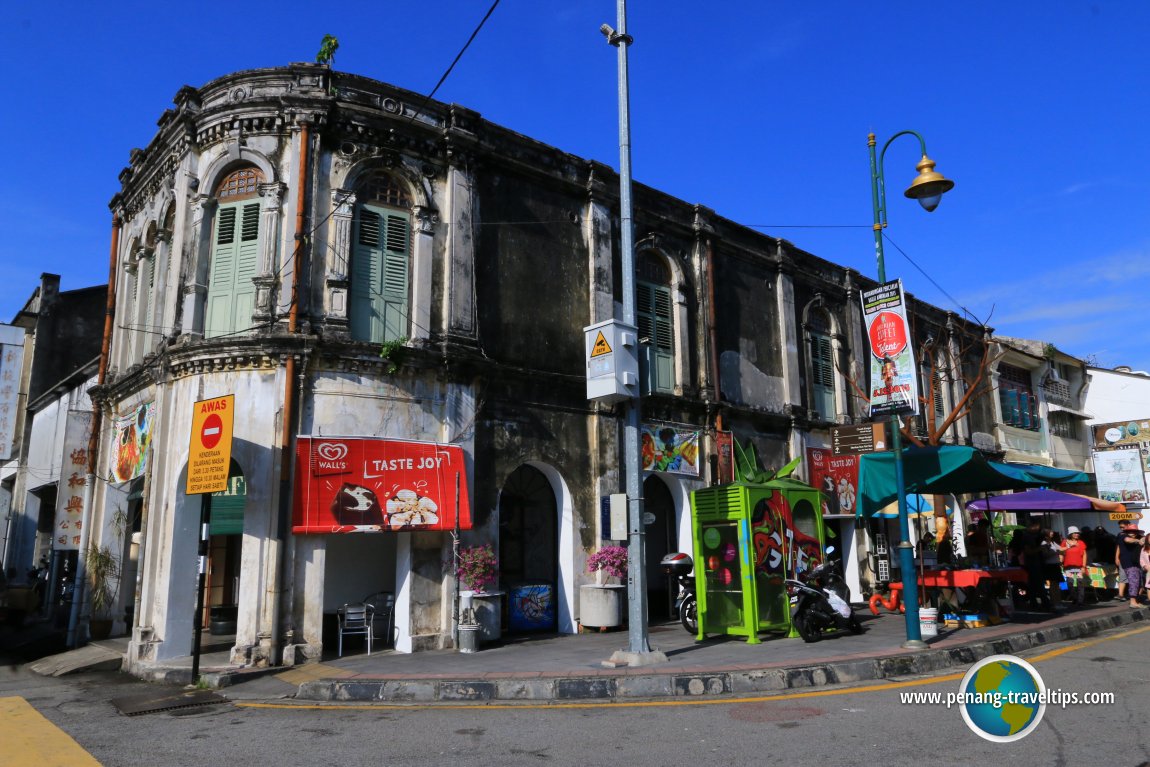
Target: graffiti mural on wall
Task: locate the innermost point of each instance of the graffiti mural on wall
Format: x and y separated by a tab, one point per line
133	438
777	537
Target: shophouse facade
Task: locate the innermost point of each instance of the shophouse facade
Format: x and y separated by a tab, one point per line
355	263
50	416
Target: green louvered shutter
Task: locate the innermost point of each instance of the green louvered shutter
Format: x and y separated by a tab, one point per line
657	357
235	256
822	377
146	296
379	275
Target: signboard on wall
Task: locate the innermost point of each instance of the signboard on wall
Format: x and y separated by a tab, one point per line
1132	433
210	450
673	449
133	438
893	378
836	477
11	365
1120	475
69	520
364	485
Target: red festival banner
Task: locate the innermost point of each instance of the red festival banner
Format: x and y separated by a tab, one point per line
356	485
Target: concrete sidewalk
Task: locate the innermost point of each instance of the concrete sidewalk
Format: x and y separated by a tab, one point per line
569	668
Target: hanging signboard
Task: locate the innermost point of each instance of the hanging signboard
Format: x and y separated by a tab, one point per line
672	449
893	378
11	364
133	438
73	480
836	477
724	447
1132	433
210	451
1119	475
364	485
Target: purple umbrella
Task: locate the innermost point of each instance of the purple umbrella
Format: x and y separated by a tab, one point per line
1043	500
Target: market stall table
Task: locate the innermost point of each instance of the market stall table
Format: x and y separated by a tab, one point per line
975	584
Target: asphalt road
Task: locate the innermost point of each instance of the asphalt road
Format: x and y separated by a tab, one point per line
832	726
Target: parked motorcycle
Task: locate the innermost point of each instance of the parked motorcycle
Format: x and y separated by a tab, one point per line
681	566
819	603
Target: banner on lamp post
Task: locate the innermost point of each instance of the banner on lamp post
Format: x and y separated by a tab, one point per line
893	382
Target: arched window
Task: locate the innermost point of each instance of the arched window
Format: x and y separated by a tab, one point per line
656	325
235	253
822	365
380	260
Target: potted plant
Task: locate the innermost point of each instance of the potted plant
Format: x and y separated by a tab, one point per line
478	570
103	569
601	604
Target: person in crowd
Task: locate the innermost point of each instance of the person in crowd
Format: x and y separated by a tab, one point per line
1144	560
1127	560
1051	553
1026	550
1105	549
1074	563
978	543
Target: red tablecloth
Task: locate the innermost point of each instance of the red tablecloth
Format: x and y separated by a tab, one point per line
966	579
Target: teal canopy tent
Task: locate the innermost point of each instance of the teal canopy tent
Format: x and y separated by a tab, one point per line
948	469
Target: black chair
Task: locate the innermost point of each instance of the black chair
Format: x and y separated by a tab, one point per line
355	619
384	604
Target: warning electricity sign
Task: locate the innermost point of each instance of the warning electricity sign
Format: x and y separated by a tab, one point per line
210	453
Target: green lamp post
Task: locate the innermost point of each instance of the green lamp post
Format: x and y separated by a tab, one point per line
928	188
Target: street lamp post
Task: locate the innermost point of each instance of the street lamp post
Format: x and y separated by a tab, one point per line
928	188
638	652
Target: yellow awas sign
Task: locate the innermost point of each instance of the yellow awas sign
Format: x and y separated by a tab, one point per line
210	453
601	346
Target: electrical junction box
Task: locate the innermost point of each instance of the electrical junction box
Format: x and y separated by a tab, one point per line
612	354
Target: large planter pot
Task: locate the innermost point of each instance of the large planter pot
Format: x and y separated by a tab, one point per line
100	628
602	606
488	606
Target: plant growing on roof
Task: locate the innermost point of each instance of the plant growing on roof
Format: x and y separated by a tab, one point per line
611	560
478	567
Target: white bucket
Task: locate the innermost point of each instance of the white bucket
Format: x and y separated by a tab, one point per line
928	621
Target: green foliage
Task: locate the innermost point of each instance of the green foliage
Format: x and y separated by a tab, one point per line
747	467
392	351
478	567
103	568
327	48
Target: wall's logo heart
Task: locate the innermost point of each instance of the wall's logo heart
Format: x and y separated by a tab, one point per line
332	451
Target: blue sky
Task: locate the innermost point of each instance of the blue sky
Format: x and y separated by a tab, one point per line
760	110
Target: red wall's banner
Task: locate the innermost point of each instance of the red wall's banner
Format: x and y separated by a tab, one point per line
354	485
836	477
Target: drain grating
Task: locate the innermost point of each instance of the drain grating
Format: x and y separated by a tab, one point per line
134	705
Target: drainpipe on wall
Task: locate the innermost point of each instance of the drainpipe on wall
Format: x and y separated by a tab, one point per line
713	351
79	591
287	461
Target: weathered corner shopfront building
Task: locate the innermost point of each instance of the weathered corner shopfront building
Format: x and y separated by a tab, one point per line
367	271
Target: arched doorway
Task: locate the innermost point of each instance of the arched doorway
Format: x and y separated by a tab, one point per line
225	545
529	543
661	539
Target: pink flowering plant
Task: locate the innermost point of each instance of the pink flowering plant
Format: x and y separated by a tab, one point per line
478	567
611	560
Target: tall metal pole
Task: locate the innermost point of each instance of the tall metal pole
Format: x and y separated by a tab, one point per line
204	551
638	650
905	550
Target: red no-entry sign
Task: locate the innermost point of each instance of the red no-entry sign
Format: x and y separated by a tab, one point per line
211	431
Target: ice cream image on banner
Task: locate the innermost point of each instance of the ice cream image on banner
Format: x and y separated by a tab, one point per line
356	505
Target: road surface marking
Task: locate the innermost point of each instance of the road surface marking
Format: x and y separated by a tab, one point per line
30	739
